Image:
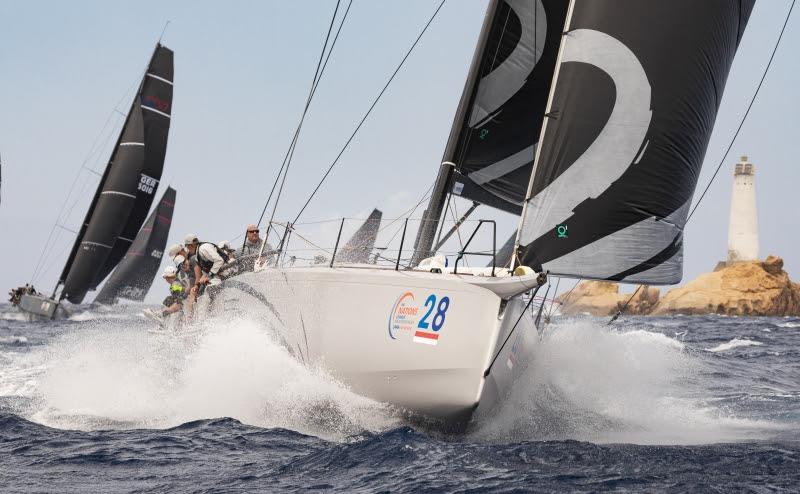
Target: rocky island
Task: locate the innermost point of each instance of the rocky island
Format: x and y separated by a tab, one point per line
746	288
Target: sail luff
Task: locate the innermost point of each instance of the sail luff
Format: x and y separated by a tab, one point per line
537	154
432	215
85	223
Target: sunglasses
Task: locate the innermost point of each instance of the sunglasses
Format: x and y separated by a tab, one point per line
253	231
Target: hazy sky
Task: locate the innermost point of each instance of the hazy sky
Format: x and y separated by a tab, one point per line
242	71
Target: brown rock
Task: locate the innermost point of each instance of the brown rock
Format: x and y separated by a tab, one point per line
602	298
750	288
773	265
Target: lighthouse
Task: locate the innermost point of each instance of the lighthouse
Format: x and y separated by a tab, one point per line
743	226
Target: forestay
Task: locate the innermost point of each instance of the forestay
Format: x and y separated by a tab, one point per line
634	101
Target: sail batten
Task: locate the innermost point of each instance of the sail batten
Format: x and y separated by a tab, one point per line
625	136
134	275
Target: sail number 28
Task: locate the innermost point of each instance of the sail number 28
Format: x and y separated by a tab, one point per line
438	318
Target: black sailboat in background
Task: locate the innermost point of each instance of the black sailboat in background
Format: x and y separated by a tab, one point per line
135	273
125	192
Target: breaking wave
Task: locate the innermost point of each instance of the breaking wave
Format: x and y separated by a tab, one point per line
734	343
590	383
109	376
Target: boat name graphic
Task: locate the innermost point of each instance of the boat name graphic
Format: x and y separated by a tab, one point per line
147	184
423	322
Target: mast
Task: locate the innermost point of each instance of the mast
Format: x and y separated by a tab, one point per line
431	217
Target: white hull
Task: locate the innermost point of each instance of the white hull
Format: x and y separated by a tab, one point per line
367	328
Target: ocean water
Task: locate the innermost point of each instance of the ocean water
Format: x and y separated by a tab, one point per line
97	403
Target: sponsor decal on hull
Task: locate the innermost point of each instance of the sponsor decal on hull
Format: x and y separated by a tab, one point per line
419	323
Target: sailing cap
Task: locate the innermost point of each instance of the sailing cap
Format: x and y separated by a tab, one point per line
178	260
190	238
170	272
174	250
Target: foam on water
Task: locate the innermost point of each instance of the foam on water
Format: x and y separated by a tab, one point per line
583	381
587	382
111	376
734	343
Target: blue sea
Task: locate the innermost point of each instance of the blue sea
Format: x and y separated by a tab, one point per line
101	403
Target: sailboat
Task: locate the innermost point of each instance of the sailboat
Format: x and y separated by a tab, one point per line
359	247
134	275
124	194
590	120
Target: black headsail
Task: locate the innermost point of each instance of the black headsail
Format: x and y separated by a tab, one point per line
128	182
134	275
496	127
634	101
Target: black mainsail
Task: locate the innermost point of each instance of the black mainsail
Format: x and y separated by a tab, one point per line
496	128
129	182
135	273
633	104
495	141
156	104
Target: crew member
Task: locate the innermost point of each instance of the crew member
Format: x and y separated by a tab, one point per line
212	264
226	246
177	293
252	248
252	242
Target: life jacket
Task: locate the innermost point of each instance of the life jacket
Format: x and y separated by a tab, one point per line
205	264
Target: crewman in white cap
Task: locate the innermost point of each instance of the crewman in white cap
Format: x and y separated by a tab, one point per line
211	261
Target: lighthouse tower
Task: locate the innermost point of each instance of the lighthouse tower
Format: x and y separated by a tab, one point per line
743	227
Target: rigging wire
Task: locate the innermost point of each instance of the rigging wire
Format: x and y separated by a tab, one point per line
553	300
64	212
322	63
746	113
94	150
625	306
364	118
521	314
730	145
